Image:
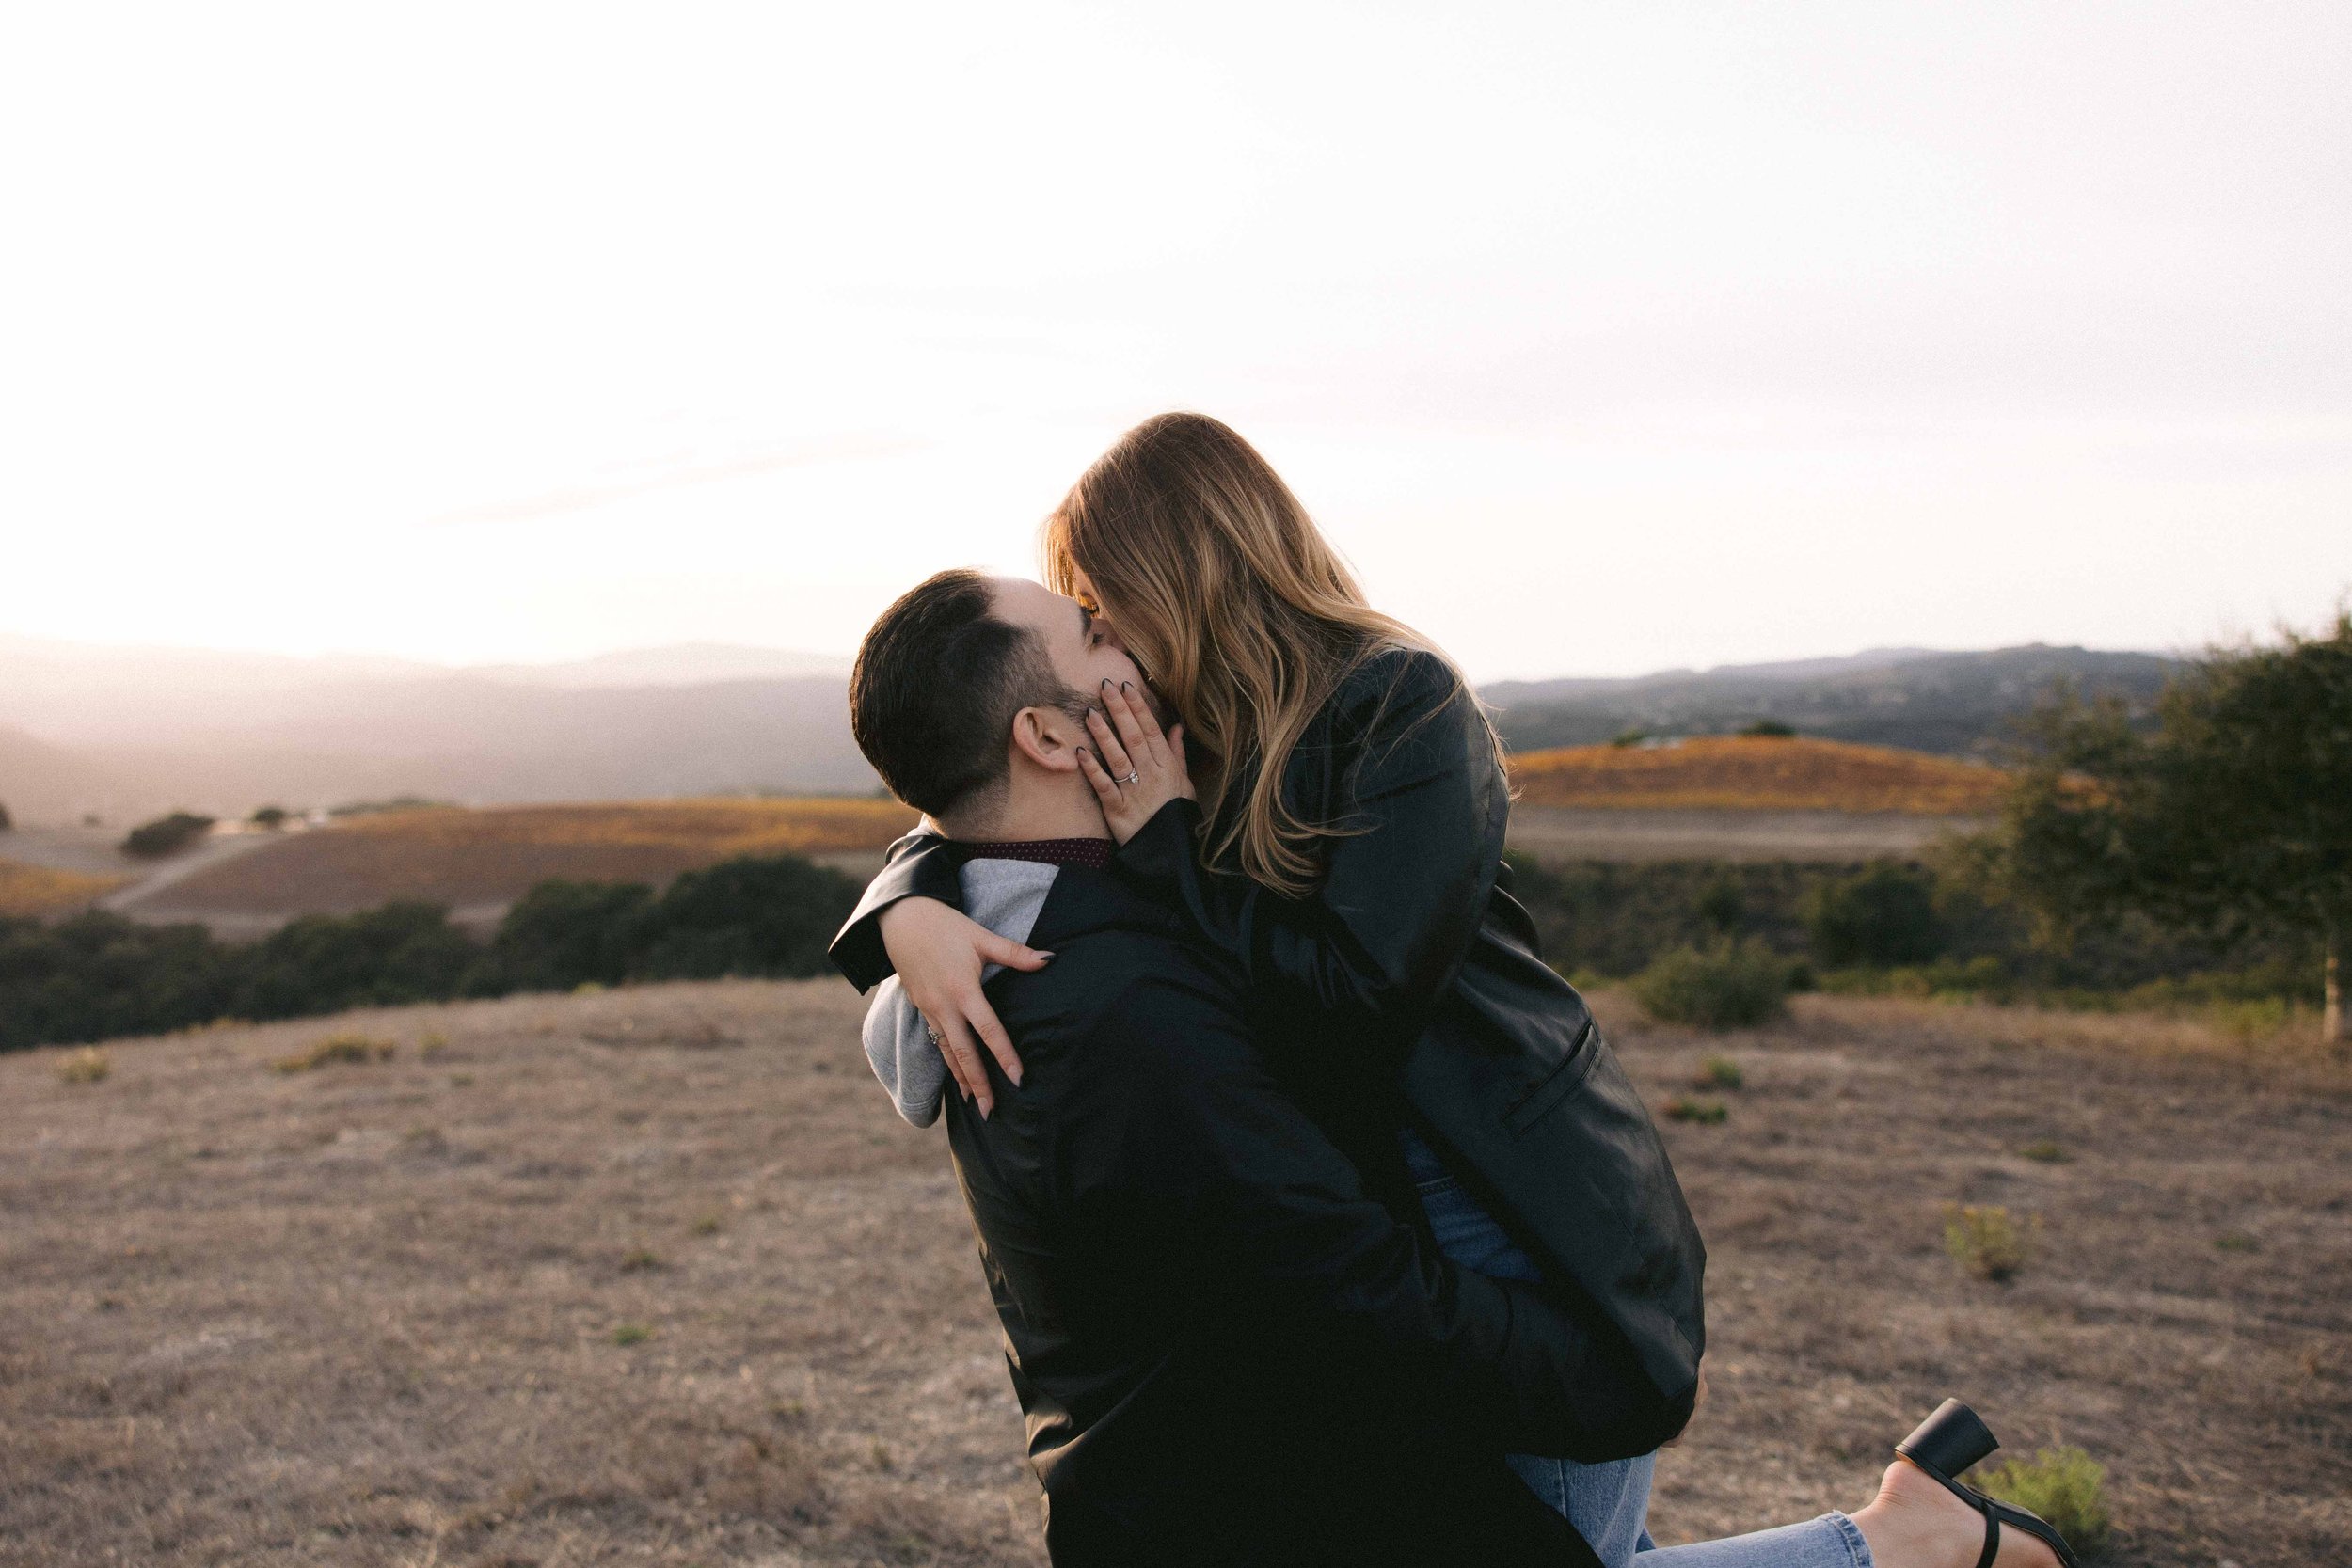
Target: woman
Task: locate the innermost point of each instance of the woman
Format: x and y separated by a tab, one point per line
1349	860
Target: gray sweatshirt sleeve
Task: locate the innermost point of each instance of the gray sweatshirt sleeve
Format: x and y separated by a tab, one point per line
1003	896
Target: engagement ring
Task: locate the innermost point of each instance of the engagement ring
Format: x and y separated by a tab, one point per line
1132	778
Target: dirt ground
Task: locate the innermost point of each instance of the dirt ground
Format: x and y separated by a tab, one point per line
655	1276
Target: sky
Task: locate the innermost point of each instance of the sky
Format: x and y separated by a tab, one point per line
1601	338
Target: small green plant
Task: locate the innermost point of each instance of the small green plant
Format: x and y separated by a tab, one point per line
1728	986
709	1224
589	988
1987	1242
880	1454
1629	738
2046	1152
631	1334
349	1046
432	1044
1767	729
2235	1241
89	1064
641	1261
461	1080
1707	1113
1718	1073
2064	1485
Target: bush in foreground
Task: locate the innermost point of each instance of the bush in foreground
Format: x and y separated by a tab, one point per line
1987	1242
1731	986
2064	1485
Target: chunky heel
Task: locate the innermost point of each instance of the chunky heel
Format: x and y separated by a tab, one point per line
1947	1443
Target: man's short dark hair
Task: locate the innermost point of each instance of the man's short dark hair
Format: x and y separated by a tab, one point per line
937	682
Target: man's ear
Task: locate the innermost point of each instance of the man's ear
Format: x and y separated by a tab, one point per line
1047	738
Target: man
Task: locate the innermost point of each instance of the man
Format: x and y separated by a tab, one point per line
1225	1350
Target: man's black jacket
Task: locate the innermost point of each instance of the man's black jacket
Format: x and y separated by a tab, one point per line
1226	1352
1407	987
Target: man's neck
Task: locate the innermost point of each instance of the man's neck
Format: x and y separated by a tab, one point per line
1030	815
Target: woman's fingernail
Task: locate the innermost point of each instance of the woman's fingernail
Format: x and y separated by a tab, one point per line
1045	955
1126	685
1015	1076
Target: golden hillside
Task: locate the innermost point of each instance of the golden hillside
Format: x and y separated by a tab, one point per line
490	856
1754	773
39	889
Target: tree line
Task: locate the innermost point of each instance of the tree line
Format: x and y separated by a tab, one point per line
98	976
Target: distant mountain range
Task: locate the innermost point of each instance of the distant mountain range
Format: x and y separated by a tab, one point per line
128	733
1955	704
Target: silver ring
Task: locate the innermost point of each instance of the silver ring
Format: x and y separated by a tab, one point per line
937	1038
1132	778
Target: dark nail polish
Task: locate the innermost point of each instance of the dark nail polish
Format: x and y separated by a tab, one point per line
1126	685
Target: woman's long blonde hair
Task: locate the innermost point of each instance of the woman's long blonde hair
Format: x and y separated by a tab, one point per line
1240	612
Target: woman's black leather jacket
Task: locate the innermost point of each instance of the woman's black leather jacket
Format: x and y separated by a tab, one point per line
1409	986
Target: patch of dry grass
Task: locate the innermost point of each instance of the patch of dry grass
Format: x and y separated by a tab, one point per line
39	889
1740	774
379	1317
494	855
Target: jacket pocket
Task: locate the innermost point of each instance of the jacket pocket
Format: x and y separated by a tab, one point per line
1557	1085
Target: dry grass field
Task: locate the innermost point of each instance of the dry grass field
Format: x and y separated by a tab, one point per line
1743	773
49	890
655	1276
494	855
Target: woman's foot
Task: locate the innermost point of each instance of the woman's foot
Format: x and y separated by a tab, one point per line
1915	1522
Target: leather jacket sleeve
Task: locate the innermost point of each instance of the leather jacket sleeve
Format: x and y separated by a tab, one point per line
920	865
1186	1149
1408	773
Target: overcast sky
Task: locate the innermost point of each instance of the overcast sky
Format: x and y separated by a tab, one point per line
1602	337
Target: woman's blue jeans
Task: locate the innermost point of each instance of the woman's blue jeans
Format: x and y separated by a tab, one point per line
1609	1503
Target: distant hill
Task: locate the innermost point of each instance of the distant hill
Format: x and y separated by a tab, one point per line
1954	704
1737	774
128	733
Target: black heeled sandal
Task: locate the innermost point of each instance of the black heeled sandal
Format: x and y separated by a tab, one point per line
1947	1443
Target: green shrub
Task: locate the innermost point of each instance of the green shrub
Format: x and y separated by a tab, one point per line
167	836
563	934
271	818
770	915
2064	1485
1723	905
1707	1113
1883	915
89	1064
1718	1073
2046	1152
1728	986
380	957
1987	1242
1767	729
349	1046
631	1334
